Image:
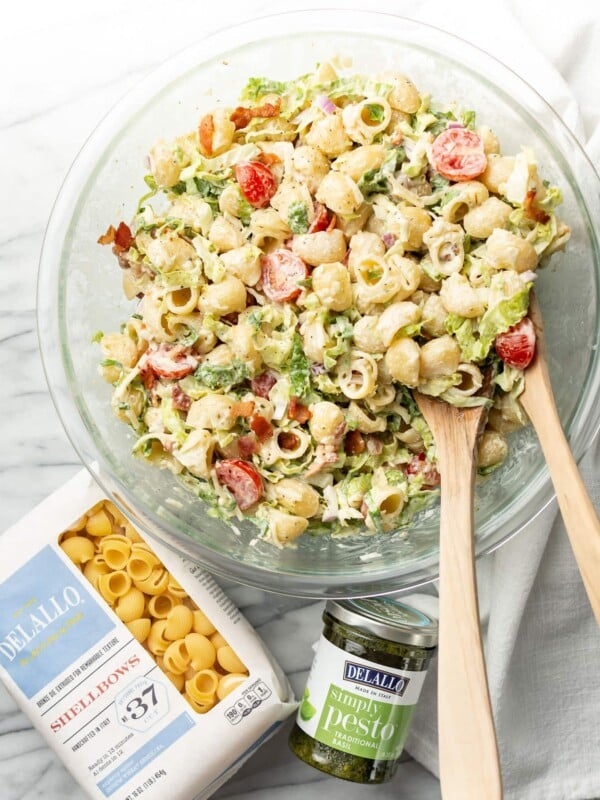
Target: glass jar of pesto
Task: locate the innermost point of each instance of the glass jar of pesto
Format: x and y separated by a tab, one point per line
363	687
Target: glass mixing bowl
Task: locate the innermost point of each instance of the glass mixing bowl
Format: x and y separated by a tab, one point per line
80	291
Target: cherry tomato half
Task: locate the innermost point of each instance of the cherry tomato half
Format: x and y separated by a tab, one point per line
281	270
457	154
171	361
322	219
257	182
242	480
516	347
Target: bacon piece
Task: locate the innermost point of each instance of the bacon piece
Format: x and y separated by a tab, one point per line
536	214
321	218
247	445
243	408
148	378
354	444
268	159
298	411
242	479
418	465
181	400
123	238
206	131
261	427
262	384
109	236
241	116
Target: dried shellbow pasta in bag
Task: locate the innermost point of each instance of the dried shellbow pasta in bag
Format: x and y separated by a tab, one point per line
127	658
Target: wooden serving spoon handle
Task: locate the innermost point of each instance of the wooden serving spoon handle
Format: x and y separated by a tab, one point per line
576	507
469	761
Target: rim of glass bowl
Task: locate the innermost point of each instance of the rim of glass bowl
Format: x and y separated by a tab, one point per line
581	428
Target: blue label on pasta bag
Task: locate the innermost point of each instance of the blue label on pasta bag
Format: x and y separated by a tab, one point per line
48	619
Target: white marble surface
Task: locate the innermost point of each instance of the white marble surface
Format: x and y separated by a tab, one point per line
63	65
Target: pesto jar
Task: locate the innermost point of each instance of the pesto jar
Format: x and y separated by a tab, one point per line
363	687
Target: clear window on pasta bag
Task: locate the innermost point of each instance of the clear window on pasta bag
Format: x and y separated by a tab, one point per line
158	612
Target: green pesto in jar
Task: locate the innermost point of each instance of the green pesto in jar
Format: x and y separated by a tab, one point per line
363	688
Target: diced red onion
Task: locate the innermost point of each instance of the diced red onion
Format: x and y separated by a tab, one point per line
389	239
325	104
529	275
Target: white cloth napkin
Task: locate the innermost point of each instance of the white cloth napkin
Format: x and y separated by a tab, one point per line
542	642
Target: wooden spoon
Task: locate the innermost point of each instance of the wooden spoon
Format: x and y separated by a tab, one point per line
577	509
469	761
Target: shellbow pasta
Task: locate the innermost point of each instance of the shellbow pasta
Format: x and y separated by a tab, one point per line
301	264
157	611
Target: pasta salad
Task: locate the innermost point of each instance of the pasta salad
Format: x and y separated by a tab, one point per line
304	262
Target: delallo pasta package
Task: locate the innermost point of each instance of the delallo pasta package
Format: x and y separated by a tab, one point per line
129	659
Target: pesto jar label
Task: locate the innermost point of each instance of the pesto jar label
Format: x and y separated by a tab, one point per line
357	706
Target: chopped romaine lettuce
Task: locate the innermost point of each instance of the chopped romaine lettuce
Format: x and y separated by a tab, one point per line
377	181
376	112
258	87
476	341
341	331
297	217
173	421
217	376
213	267
299	369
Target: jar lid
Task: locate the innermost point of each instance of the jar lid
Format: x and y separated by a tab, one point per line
386	618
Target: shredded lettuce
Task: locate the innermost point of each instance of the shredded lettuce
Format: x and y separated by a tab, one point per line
217	376
455	398
377	181
376	112
179	278
418	502
354	86
510	379
437	386
299	369
275	327
395	477
193	387
468	119
220	329
341	331
258	87
173	421
213	267
297	217
210	188
476	340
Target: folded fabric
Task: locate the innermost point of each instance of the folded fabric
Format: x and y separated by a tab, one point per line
542	642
